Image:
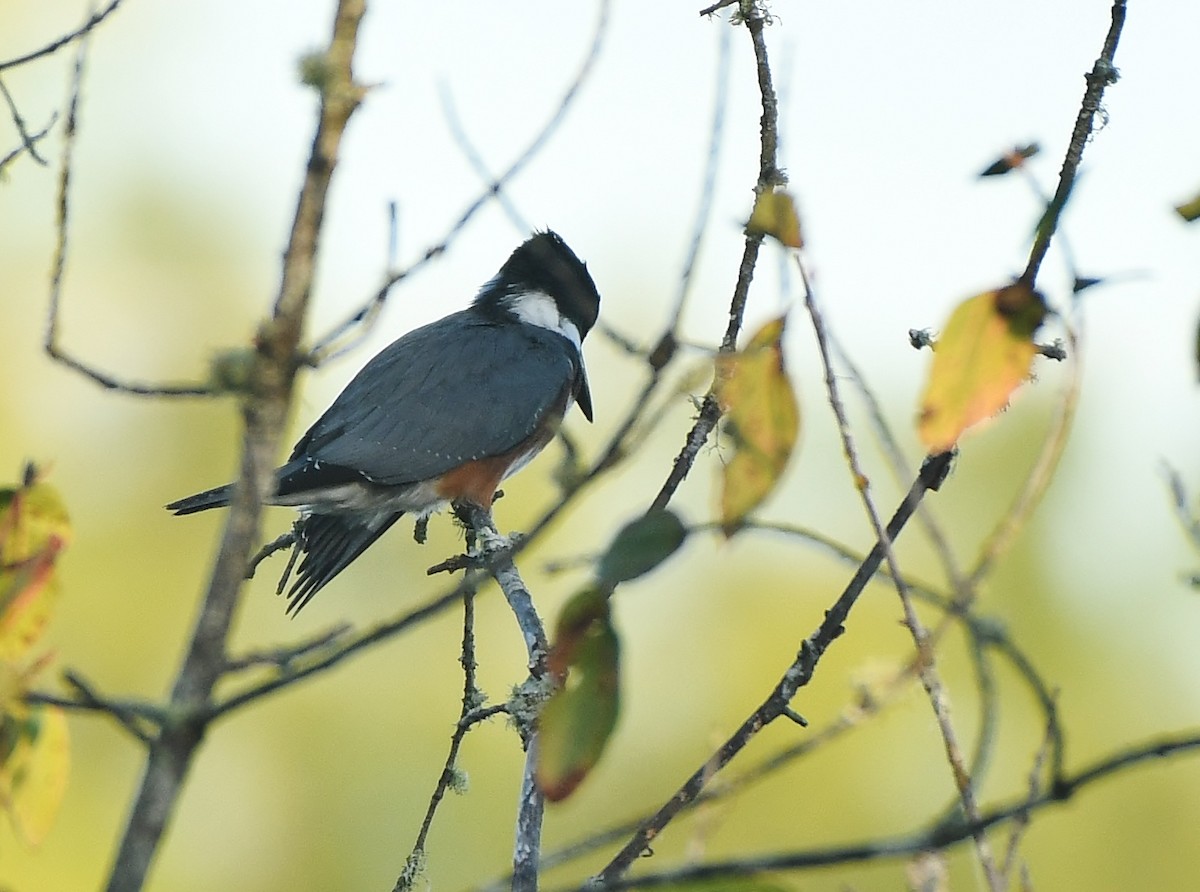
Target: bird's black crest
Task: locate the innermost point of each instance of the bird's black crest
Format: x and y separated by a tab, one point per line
545	263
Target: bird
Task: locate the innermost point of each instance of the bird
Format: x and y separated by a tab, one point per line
441	415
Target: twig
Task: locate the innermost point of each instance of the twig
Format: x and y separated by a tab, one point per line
755	20
282	658
1179	500
472	713
51	340
280	542
459	132
1103	73
708	188
142	720
1021	821
28	140
95	19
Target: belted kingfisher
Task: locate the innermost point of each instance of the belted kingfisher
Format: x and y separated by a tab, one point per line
441	415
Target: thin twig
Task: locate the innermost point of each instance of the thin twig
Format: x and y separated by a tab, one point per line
92	21
755	19
51	340
471	714
475	159
28	140
708	188
142	720
283	657
1103	73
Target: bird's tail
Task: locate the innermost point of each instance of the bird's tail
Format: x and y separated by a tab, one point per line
329	542
202	501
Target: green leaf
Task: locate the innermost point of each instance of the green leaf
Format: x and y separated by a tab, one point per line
640	546
579	717
982	356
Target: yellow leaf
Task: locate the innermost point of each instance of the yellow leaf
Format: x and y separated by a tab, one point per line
762	419
774	214
982	356
34	764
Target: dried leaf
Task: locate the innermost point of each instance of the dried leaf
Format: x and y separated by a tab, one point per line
1010	160
1190	209
762	419
982	356
774	214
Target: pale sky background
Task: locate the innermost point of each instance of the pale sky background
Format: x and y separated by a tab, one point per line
193	137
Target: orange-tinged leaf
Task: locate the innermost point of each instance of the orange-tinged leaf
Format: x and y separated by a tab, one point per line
33	773
28	592
574	620
34	528
774	214
982	356
1010	160
579	717
762	418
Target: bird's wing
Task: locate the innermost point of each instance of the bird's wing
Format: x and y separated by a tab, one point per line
459	389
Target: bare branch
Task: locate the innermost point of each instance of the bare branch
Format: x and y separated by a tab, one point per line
51	340
472	713
768	176
28	140
265	413
1103	74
